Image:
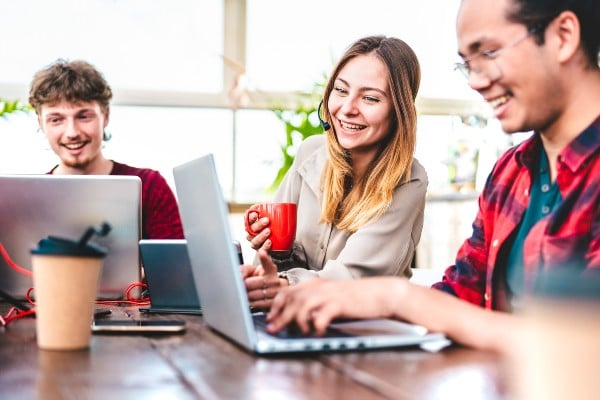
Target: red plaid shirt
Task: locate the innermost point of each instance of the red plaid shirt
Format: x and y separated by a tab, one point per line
569	237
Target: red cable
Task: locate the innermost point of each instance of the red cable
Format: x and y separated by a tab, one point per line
12	264
14	313
129	299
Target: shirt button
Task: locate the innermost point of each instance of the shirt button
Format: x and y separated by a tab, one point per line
545	210
495	243
545	188
486	296
321	246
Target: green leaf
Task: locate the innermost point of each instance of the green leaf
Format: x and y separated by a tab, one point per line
8	107
299	121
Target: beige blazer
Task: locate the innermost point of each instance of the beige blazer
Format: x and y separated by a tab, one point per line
382	247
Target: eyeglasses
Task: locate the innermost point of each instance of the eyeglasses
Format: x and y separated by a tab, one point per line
485	61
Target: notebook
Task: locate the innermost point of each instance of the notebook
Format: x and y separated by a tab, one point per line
218	279
169	277
35	206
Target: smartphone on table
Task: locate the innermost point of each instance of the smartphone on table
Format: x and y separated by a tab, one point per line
138	326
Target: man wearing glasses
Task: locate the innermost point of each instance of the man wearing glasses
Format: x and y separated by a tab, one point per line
536	64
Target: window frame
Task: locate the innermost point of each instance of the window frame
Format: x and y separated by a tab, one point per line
234	54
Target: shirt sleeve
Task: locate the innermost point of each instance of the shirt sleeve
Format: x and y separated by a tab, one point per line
466	278
160	210
593	252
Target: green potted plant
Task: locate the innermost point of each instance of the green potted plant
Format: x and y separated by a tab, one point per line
300	123
10	106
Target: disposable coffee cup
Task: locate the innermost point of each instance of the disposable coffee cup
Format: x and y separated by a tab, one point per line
66	276
557	356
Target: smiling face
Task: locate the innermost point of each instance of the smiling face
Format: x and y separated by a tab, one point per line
360	106
520	84
75	133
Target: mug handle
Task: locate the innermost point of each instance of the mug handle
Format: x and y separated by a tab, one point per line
247	222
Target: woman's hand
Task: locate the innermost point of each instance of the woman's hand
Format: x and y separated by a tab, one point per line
262	282
260	228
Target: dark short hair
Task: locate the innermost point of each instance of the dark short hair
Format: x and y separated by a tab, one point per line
537	14
73	81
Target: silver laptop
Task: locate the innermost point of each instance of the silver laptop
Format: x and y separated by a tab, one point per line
35	206
169	277
218	279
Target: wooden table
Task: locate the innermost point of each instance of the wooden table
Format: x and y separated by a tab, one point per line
201	364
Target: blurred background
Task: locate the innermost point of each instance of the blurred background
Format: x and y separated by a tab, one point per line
241	79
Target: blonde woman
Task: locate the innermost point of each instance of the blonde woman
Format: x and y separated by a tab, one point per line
359	190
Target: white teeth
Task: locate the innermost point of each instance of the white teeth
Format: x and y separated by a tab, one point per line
351	126
74	146
497	102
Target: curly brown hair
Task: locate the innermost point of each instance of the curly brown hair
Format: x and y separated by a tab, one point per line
73	81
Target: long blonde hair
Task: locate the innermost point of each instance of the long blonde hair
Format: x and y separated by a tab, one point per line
347	203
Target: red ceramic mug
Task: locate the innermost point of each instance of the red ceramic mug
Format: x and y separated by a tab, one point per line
282	223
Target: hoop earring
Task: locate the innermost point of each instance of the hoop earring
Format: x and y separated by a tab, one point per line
106	136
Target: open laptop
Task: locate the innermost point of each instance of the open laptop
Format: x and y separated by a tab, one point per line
169	277
35	206
219	282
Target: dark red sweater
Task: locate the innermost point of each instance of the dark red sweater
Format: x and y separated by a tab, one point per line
160	213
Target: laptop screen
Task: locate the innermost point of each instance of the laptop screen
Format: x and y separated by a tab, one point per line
35	206
169	274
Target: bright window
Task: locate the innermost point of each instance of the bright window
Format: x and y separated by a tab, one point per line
294	50
173	45
164	61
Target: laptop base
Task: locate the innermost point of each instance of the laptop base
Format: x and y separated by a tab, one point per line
170	311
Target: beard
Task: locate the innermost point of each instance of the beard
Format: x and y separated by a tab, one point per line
81	162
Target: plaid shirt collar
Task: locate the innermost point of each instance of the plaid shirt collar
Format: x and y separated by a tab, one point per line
574	156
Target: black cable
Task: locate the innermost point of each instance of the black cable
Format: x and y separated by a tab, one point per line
15	302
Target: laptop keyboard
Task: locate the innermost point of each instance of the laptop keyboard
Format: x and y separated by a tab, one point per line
291	331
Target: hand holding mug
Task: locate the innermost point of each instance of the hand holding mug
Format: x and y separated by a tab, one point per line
271	226
257	229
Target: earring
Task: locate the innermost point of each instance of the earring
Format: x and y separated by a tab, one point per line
106	136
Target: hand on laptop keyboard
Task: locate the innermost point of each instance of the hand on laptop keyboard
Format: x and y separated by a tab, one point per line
292	330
